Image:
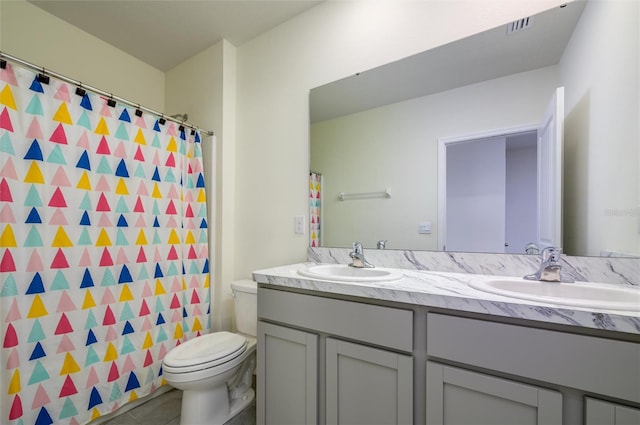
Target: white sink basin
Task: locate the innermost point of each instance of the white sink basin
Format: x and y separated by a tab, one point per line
344	273
579	294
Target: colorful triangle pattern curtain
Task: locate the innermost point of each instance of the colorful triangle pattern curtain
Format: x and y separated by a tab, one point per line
103	250
315	191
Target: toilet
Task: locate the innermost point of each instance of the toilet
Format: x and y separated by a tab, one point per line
215	371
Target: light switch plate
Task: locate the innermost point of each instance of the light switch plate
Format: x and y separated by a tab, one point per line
298	224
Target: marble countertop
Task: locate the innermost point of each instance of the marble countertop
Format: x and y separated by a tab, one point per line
451	291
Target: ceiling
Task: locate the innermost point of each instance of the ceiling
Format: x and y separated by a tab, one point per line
488	55
164	33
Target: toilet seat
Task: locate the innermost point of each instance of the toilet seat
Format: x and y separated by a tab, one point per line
204	352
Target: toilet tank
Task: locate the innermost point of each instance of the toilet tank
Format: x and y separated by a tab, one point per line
245	296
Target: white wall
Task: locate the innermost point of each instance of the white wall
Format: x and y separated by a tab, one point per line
276	72
204	87
600	69
396	146
34	35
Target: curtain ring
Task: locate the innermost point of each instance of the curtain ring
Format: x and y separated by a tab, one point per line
79	90
42	77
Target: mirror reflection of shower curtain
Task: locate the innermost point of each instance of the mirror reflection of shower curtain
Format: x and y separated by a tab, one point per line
103	250
315	209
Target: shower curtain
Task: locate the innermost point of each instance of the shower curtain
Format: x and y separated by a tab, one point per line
103	249
315	198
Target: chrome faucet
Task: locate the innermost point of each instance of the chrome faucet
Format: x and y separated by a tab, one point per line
382	244
550	267
357	255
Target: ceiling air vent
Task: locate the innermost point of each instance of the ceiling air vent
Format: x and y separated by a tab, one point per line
519	25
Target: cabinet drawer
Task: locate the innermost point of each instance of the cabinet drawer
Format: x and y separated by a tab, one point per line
383	326
599	365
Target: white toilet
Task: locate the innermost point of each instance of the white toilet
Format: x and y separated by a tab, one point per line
215	371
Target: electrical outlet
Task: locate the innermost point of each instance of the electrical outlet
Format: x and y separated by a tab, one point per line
424	228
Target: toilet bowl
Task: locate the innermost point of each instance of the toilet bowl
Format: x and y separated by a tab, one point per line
215	371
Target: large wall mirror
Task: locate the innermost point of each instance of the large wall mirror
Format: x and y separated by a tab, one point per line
376	137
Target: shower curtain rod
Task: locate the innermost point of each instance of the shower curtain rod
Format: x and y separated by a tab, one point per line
81	85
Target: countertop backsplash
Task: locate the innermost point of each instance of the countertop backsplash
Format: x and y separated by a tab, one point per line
623	271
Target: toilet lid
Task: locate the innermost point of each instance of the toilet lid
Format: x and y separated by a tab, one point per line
213	349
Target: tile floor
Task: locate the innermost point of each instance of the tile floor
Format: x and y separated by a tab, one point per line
165	410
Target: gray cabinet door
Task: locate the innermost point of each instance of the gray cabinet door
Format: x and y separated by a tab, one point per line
458	396
598	412
366	385
287	376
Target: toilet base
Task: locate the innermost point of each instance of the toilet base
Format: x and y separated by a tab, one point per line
198	409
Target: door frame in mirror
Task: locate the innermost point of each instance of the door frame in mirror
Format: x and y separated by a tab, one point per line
443	144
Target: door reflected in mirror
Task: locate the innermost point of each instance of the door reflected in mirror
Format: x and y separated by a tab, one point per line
487	202
500	191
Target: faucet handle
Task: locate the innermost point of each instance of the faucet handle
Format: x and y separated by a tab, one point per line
551	253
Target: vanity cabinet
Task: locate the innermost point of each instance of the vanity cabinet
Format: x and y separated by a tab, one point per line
323	360
328	359
458	396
